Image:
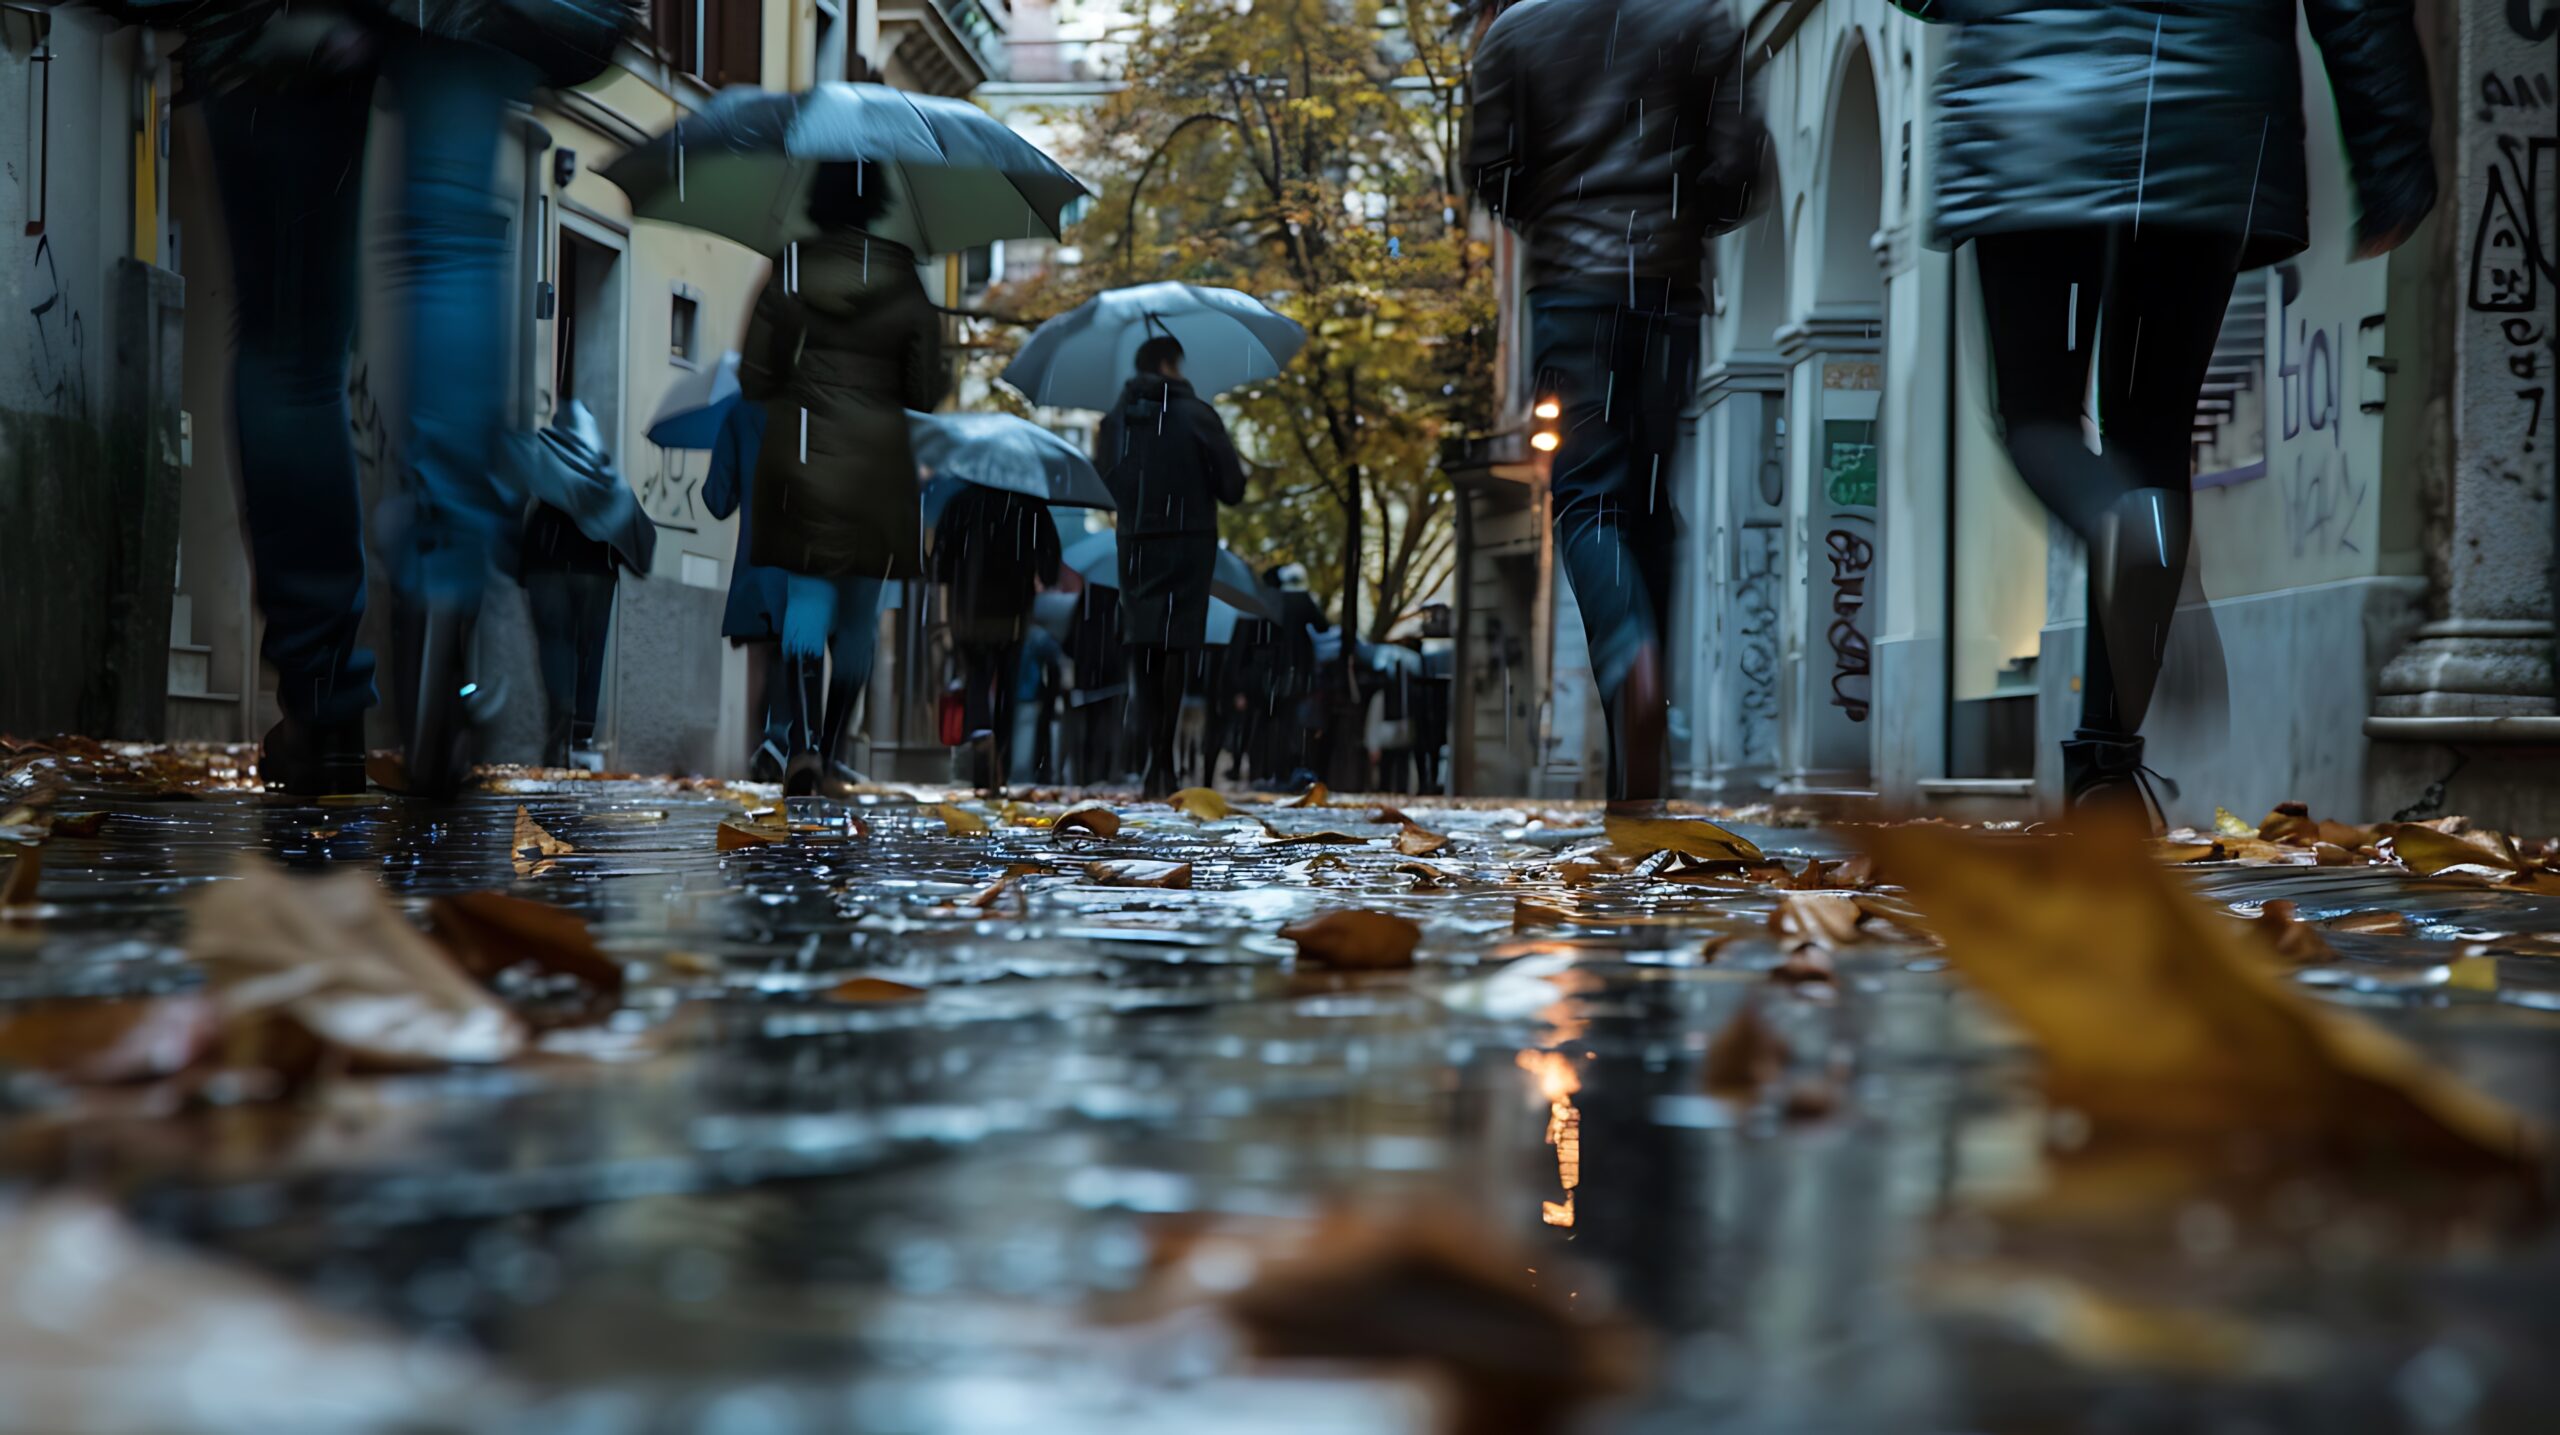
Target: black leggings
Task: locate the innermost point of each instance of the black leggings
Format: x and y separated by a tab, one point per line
2161	295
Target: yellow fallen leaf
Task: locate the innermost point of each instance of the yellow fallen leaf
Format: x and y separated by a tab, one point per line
2227	825
1023	814
1391	817
1090	817
1137	873
2156	1014
1688	836
1419	842
1355	939
2426	851
959	821
2290	822
734	835
534	844
1316	795
2473	973
873	989
1205	803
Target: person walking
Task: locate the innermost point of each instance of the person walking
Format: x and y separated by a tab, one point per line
843	341
752	620
1166	455
1098	704
1035	695
1617	136
2116	166
569	576
1295	678
993	550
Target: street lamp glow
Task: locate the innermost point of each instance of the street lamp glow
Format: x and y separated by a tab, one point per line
1548	408
1544	441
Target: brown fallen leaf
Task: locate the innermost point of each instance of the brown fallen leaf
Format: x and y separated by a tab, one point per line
535	845
387	770
1090	817
1526	914
1324	838
994	892
85	824
1205	803
1391	817
109	1039
26	871
2426	851
2290	822
1427	877
1745	1056
1316	795
508	944
2379	920
735	835
873	989
2156	1014
1689	836
2179	848
1419	842
1134	872
1355	939
958	821
2330	854
1829	920
2293	940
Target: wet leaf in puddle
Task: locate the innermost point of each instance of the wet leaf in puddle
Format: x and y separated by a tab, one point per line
1316	795
735	835
1745	1056
386	770
26	870
1416	841
1689	836
534	845
1428	877
2427	851
1828	920
2289	822
2377	920
1526	914
873	989
1804	966
86	824
959	821
491	935
1205	803
1325	838
1355	939
1092	818
1391	817
1134	872
2293	940
2179	848
2156	1014
109	1039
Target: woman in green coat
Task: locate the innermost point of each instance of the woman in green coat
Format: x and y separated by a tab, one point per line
2116	164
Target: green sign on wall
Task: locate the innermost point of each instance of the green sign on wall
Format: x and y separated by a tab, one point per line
1849	462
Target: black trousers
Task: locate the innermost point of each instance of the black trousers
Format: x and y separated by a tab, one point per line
572	615
2148	308
989	673
1155	678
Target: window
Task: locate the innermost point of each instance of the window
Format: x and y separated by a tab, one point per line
681	316
719	42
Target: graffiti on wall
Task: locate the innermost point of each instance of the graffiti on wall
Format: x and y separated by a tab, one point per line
667	494
1853	557
59	358
1759	571
2512	254
2322	500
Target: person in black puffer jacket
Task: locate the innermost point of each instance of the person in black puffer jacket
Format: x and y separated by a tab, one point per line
1166	455
2116	164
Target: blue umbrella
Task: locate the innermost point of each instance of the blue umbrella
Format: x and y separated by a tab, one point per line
1080	358
1002	451
691	413
1097	557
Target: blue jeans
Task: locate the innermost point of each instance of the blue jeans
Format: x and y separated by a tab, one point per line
289	167
1620	375
836	616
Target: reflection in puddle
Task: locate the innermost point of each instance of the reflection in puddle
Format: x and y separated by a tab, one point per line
1557	1081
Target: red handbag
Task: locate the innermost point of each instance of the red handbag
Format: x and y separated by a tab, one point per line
954	717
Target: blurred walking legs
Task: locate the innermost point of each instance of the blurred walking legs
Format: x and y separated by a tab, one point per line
1156	675
821	615
989	673
572	616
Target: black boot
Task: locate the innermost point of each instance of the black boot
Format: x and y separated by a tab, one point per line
440	725
2103	777
840	705
808	679
313	759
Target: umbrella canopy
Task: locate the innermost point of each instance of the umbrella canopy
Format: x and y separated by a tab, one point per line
691	413
1080	358
743	165
1002	451
567	467
1097	557
1223	617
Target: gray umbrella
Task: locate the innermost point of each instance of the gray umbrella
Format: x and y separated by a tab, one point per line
742	167
1097	557
1080	358
1002	451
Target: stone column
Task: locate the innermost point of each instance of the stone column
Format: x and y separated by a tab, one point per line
1740	549
2480	674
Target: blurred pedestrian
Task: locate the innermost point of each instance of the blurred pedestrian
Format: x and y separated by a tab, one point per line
1169	462
1098	704
288	101
1296	621
570	575
752	620
2117	166
993	550
842	342
1617	136
1036	690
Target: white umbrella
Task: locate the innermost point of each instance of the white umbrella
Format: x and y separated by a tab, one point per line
1081	358
696	404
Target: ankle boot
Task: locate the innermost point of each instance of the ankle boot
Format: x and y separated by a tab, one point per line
808	679
448	705
313	759
2103	776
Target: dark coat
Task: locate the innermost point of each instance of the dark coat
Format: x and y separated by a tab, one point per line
1093	646
279	43
754	613
1167	458
846	351
994	549
1618	135
2060	114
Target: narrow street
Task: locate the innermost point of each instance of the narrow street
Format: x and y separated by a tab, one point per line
876	1135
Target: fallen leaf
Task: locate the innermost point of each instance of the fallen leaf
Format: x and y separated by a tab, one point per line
1829	920
86	824
1138	873
333	955
958	821
1023	814
1316	795
1746	1055
873	989
1418	842
735	835
1205	803
1327	837
109	1039
1091	817
2339	834
1526	914
992	893
26	870
2330	854
2426	851
2227	825
1427	877
2294	940
2177	848
1803	966
2155	1014
2472	972
1355	939
2290	822
1579	872
2378	920
1391	817
510	944
1689	836
532	837
387	770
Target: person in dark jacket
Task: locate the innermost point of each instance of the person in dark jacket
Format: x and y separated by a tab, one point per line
843	341
993	550
568	581
1098	704
2116	166
1166	455
1296	677
1617	136
753	617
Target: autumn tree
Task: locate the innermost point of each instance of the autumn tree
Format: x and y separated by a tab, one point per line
1307	152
